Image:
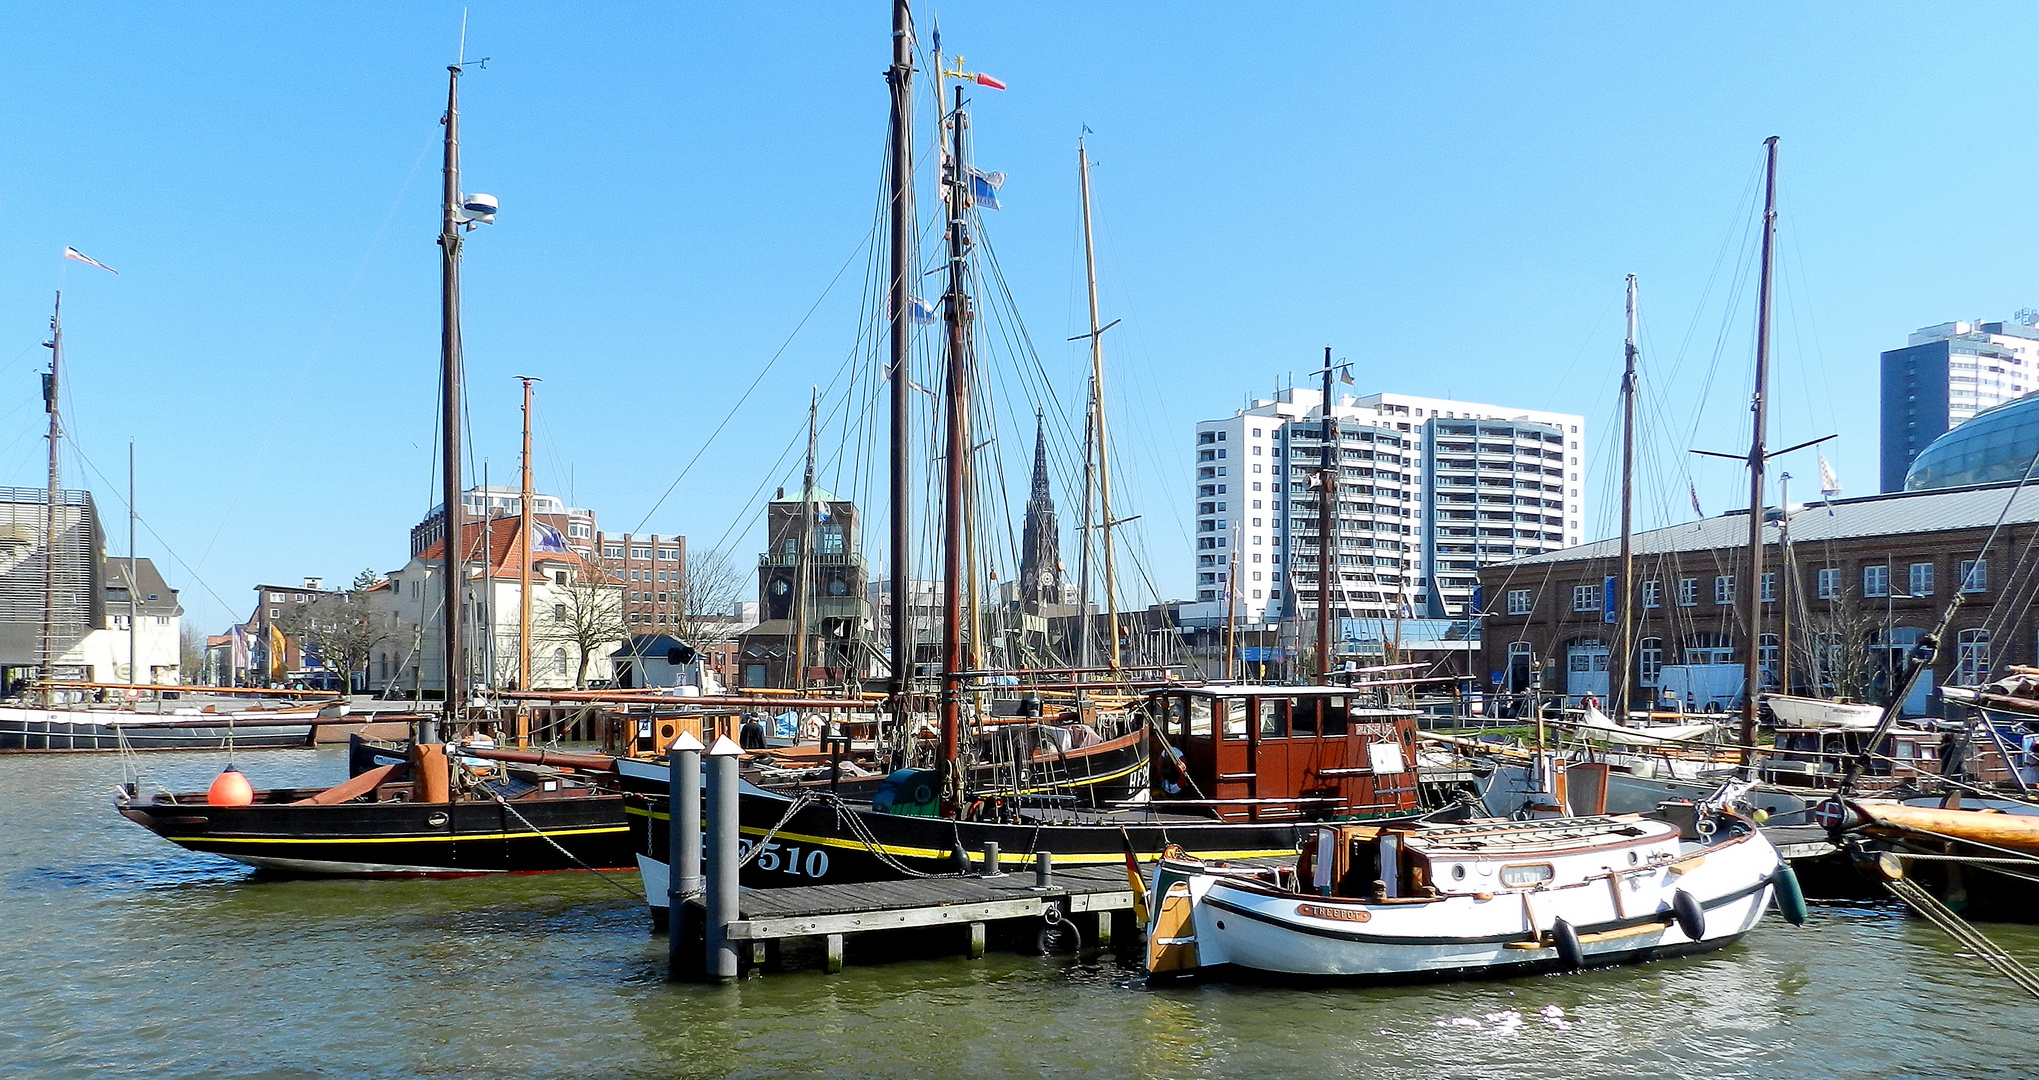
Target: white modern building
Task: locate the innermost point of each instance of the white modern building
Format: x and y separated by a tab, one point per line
1429	489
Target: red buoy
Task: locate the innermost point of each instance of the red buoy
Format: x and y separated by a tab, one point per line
230	788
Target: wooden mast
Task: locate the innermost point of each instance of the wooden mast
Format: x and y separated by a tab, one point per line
955	449
1619	663
453	571
1327	526
899	77
1751	595
1097	421
524	496
50	390
803	574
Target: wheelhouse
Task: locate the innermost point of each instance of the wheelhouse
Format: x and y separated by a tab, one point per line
1270	753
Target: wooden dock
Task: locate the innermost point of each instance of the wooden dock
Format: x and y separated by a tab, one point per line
1086	900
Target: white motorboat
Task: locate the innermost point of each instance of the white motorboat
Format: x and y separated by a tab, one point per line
1807	713
1492	897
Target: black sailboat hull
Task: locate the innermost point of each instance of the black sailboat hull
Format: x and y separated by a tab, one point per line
556	832
830	841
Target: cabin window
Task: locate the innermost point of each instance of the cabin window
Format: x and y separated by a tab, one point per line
1199	716
1270	717
1302	716
1231	718
1333	715
1526	874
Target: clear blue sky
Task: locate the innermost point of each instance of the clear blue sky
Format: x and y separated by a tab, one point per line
1448	196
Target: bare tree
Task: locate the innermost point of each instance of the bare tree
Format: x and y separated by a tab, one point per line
342	629
190	653
710	585
1834	647
587	616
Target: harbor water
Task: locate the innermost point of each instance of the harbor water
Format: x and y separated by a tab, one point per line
125	954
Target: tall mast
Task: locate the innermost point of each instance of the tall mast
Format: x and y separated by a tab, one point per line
1231	622
1327	526
956	448
453	574
524	548
1084	652
1102	447
1785	572
803	575
1619	663
50	389
900	78
133	583
1752	601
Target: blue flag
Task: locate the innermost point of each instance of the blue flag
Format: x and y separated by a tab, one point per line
984	187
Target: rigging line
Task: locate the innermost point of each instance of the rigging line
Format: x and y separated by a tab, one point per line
317	350
752	388
75	449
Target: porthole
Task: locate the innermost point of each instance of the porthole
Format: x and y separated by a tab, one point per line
1458	872
1633	858
436	820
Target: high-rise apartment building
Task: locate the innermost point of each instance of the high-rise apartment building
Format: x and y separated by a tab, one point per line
1429	490
1946	374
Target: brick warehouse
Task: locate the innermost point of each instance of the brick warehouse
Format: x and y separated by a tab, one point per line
1867	577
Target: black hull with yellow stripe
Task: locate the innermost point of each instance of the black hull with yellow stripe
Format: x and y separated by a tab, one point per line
397	838
829	841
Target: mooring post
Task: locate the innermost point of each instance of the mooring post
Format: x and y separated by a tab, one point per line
1044	869
991	859
683	855
976	941
723	860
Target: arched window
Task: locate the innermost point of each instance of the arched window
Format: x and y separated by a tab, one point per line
1971	658
1649	653
559	662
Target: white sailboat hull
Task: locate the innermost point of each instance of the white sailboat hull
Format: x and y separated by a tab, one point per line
1802	712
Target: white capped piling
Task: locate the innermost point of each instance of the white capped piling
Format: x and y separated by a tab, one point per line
724	860
683	878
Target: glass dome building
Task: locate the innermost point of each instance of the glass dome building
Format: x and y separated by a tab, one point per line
1997	446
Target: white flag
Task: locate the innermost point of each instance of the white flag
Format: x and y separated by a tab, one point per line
75	255
1830	485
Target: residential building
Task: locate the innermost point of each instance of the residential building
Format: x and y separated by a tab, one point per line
1429	490
1945	375
1866	578
157	617
576	614
275	648
649	566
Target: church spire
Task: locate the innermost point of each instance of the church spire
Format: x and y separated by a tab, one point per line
1040	497
1040	547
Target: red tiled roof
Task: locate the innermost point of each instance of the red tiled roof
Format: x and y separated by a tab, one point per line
505	549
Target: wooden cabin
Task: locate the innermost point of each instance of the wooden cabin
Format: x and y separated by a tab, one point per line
1268	753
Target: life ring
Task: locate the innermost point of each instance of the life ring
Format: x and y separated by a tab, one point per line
810	729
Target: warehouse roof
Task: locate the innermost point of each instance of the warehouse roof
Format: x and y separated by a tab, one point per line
1905	513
